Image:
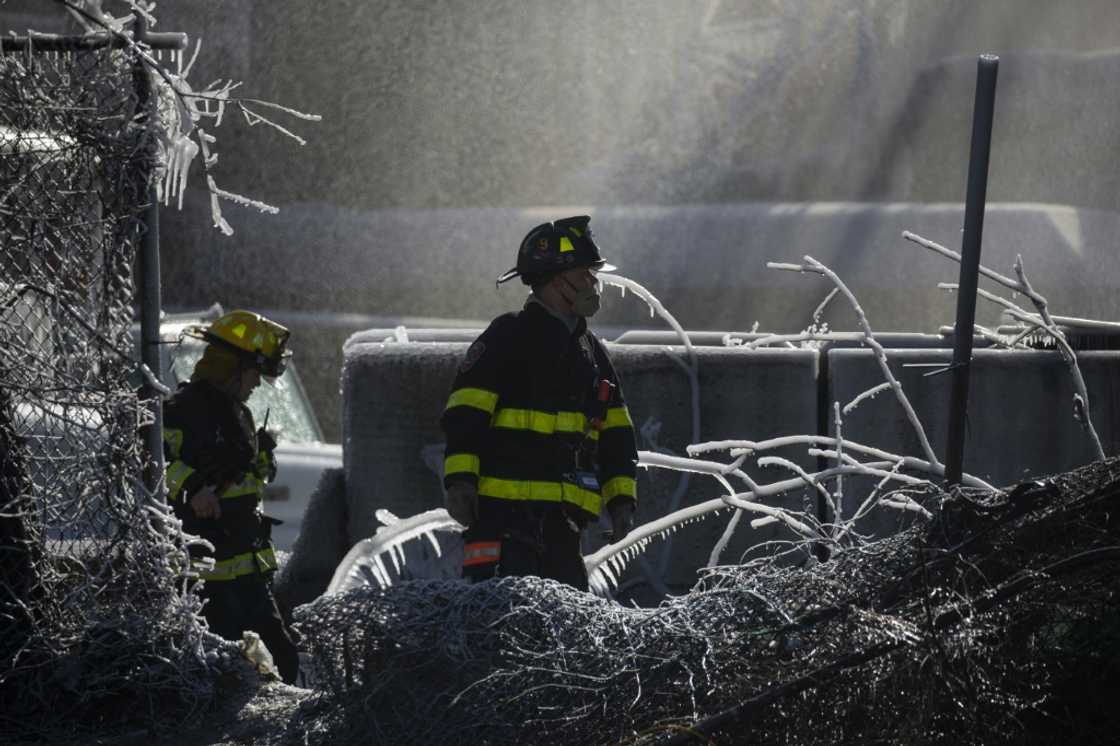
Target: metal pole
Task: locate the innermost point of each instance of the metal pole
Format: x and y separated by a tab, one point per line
149	291
986	69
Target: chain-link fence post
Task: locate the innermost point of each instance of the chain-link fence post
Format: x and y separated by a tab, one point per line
150	299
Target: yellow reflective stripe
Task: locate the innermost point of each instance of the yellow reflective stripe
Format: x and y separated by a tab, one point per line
267	560
618	417
250	485
477	398
177	473
525	419
239	565
461	462
524	489
174	438
571	422
545	423
625	486
566	244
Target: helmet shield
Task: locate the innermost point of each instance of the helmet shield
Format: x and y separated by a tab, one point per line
555	247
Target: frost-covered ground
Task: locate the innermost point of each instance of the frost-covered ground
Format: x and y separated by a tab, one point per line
254	712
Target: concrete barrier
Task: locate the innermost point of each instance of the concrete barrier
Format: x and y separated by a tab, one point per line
321	545
1021	426
1020	414
394	394
732	338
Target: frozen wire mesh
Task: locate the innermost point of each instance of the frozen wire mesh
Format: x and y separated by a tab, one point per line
994	622
92	618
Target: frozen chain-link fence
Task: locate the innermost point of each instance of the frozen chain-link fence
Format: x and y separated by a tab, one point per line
994	621
93	621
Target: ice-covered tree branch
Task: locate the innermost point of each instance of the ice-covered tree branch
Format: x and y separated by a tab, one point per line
812	265
1043	322
181	108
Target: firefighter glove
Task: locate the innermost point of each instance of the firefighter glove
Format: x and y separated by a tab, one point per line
205	504
462	502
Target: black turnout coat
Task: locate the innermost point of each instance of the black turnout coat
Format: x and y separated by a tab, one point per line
526	420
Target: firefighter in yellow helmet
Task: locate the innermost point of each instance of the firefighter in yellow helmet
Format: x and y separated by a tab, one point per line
218	463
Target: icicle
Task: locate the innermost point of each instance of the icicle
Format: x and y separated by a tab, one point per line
597	584
383	572
434	542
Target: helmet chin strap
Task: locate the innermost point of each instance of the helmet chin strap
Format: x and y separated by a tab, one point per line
569	293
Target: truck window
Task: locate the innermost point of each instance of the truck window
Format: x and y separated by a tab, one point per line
286	404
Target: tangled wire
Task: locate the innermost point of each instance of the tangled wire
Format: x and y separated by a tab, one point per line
94	624
994	622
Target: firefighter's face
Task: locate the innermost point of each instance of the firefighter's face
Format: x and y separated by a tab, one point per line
250	379
579	289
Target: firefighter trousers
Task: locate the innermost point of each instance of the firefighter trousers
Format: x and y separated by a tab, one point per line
525	540
247	603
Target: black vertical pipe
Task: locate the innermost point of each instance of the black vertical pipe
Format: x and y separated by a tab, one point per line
986	69
149	290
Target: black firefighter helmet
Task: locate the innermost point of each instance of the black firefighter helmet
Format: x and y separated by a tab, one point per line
555	247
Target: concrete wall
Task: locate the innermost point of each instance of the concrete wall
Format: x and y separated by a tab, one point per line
1020	422
1020	415
395	393
706	264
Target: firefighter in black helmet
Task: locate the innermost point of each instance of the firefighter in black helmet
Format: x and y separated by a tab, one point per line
539	439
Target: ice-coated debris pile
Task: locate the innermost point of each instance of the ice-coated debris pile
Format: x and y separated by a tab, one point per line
994	622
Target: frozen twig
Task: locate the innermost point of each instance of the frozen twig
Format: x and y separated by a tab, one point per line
751	446
812	265
805	336
1044	322
870	393
691	371
194	106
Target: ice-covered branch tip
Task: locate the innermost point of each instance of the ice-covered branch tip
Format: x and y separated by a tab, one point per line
735	447
605	565
364	560
950	254
812	265
179	119
690	370
1044	322
655	306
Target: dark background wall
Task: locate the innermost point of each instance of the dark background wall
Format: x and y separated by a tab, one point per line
705	138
